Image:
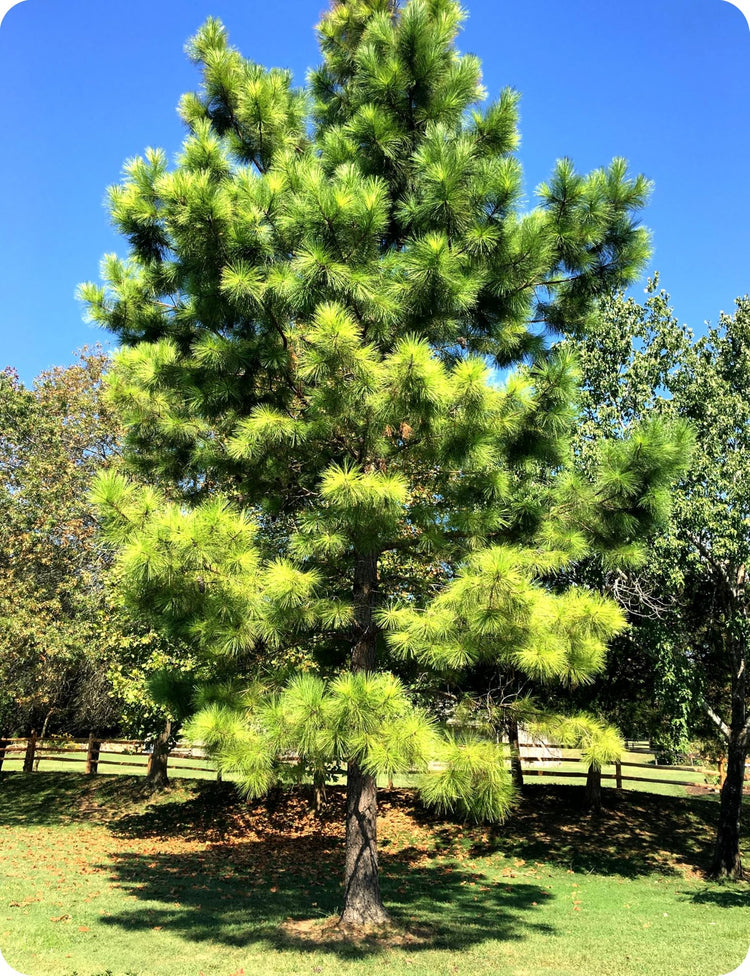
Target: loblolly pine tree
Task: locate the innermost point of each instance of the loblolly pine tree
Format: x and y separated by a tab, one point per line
314	302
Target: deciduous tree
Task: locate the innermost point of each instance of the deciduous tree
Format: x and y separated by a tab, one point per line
71	659
53	437
692	597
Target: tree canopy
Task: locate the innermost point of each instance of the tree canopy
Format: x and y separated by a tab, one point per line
71	659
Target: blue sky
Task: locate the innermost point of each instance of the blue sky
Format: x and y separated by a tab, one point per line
84	85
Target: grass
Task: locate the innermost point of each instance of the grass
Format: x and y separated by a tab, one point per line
100	878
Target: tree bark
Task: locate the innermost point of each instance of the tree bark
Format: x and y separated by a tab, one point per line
92	755
594	789
362	901
319	793
726	862
28	762
156	773
516	769
42	737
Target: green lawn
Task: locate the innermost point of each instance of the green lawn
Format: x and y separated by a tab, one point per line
100	878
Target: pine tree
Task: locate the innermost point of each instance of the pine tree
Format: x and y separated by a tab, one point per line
316	304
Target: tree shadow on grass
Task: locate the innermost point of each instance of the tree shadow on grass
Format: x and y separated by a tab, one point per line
255	891
636	834
722	894
199	860
43	799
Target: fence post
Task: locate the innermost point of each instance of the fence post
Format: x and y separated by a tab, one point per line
593	789
92	755
618	775
516	765
722	772
3	746
28	762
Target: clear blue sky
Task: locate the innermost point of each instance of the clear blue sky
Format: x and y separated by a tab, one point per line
85	84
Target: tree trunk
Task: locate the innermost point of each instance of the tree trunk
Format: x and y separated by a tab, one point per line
594	789
92	755
362	902
28	761
42	737
319	793
726	862
516	769
156	773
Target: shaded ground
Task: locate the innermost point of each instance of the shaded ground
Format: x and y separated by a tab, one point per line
96	863
276	857
637	833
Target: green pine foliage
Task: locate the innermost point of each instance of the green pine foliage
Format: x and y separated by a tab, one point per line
600	743
316	302
319	725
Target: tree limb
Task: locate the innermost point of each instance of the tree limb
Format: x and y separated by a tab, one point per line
720	724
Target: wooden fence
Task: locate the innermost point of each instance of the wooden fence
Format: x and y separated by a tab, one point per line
551	761
95	755
90	755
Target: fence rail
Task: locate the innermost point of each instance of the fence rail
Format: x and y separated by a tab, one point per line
618	769
31	754
130	755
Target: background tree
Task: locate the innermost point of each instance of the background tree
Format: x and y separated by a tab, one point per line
70	658
311	308
56	624
693	591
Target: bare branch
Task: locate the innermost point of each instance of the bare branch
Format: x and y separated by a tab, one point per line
720	724
638	599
